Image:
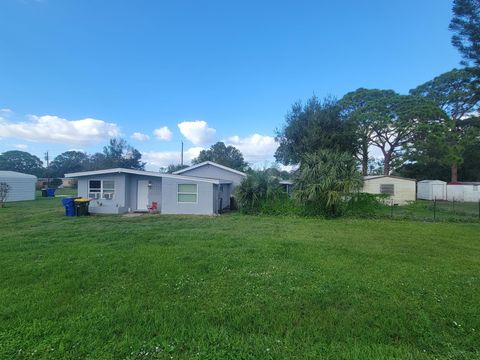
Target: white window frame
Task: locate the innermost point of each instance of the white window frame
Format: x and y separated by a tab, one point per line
187	193
102	190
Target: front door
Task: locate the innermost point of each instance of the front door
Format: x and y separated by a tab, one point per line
142	195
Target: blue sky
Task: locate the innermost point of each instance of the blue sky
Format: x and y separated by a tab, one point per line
74	72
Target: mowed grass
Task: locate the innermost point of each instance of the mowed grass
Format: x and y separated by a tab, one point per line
236	287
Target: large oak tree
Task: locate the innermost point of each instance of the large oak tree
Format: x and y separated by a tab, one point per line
224	155
456	93
312	127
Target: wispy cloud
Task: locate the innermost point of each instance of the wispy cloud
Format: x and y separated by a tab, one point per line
21	146
140	137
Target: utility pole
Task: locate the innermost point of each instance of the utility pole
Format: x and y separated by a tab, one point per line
46	171
181	161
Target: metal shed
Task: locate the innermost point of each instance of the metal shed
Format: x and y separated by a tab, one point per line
22	186
463	191
432	189
400	190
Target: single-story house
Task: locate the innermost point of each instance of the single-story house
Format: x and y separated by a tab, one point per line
463	191
212	170
401	190
117	191
432	190
21	186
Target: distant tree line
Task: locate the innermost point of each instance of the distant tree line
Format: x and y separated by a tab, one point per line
118	153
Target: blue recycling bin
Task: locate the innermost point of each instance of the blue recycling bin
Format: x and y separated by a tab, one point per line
69	205
50	192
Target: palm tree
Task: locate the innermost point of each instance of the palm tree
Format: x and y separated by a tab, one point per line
325	181
255	188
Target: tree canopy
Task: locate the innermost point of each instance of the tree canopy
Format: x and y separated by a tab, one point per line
311	127
387	120
354	107
224	155
465	25
118	153
445	141
68	162
21	161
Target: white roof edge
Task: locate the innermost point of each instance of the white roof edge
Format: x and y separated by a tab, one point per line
371	177
8	173
432	181
141	173
209	163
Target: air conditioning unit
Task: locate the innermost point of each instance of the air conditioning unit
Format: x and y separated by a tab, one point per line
94	195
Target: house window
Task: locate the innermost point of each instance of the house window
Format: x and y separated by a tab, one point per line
187	193
101	189
388	189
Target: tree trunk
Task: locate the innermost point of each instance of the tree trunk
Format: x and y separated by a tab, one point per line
454	172
386	164
365	164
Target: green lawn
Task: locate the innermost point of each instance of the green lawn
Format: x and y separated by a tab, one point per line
235	286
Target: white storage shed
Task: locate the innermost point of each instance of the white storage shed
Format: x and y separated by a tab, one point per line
22	186
432	189
400	190
463	191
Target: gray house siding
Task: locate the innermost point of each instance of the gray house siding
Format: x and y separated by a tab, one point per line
125	197
154	192
117	205
170	204
213	172
22	186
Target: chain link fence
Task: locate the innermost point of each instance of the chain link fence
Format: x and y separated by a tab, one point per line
436	210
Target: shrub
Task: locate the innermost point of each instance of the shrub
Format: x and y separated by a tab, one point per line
325	181
364	205
255	189
4	190
280	204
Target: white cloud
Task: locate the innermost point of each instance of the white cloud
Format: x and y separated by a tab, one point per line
197	131
140	137
163	133
21	146
157	159
288	168
54	129
255	147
